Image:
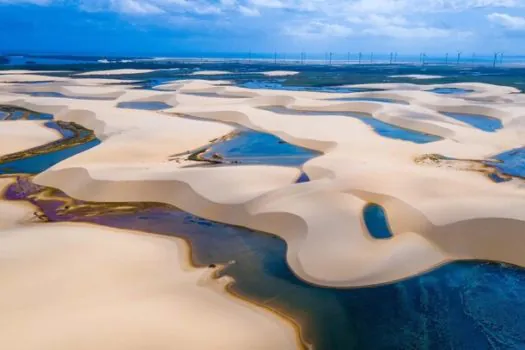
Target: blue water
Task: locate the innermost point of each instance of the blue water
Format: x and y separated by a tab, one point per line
461	306
450	91
252	147
481	122
303	178
19	114
272	85
150	106
376	221
22	60
382	128
46	94
40	162
511	162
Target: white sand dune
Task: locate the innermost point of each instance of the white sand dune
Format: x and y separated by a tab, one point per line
279	73
72	286
25	71
418	76
16	136
13	214
211	72
28	78
117	72
437	214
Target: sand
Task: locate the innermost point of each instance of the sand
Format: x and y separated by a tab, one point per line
74	286
13	214
437	214
117	72
211	72
16	136
418	76
25	71
279	73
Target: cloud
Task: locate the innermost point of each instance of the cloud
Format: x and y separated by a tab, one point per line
400	27
247	11
507	21
318	29
33	2
135	7
336	19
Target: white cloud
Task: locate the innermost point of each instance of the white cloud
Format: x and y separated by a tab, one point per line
249	11
507	21
269	3
34	2
228	3
400	27
137	7
318	29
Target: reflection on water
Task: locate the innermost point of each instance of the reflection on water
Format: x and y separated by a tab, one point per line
75	139
510	163
144	105
276	85
382	128
376	221
459	306
450	91
252	147
18	113
481	122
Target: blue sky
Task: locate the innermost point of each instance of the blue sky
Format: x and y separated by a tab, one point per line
169	27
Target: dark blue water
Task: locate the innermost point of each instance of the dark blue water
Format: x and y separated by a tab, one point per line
481	122
382	128
303	178
18	114
462	306
275	85
23	60
38	163
46	94
376	221
511	162
252	147
150	106
450	91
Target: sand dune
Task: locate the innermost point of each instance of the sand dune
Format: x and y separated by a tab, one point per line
13	214
437	214
72	286
16	136
117	72
418	76
279	73
211	72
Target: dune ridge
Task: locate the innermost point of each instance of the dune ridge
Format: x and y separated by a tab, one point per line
437	214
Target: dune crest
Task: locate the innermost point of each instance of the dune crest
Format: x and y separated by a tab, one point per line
437	214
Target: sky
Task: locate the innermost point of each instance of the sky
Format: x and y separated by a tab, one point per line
194	27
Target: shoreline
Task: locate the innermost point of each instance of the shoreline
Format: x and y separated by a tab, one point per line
187	264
